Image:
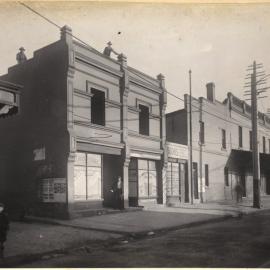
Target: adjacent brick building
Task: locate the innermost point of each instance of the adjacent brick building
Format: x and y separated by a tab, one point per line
85	120
221	138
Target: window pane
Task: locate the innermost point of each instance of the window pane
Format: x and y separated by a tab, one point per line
143	120
93	183
94	160
175	179
152	183
80	159
169	179
152	165
79	183
143	183
142	164
98	107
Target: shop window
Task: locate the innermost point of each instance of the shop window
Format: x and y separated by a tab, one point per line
250	140
240	136
144	120
147	176
226	176
173	179
263	144
206	171
201	132
223	139
98	107
87	177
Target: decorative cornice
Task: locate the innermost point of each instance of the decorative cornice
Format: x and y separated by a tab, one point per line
94	76
146	149
144	85
113	102
99	142
82	93
142	95
94	51
104	128
154	115
150	138
132	108
88	61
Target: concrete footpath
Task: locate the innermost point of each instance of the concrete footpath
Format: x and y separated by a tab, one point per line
41	238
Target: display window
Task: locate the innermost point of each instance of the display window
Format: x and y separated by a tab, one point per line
88	176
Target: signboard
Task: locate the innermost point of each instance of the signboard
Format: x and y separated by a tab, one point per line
7	97
179	151
39	154
53	190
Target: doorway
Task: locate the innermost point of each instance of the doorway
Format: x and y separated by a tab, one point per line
243	184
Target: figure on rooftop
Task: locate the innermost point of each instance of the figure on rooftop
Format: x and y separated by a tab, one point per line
21	57
107	51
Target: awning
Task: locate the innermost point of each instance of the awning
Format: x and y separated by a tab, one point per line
240	161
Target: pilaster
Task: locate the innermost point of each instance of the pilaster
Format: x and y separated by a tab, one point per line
164	158
124	91
66	37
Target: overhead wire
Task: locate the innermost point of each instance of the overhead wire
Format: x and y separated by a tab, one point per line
171	94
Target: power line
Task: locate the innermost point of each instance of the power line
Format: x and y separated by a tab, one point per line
173	95
181	99
56	25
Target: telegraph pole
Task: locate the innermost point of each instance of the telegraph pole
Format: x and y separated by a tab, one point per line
190	139
255	152
254	92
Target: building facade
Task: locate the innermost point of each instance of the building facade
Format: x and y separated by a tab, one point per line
86	120
221	146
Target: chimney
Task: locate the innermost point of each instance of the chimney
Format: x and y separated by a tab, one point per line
210	88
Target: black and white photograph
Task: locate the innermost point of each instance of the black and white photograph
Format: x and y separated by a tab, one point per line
134	134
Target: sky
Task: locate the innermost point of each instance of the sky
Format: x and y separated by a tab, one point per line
216	41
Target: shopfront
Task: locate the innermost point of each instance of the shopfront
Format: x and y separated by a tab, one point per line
88	177
143	181
177	187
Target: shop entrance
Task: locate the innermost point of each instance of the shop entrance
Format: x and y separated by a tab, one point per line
268	185
243	184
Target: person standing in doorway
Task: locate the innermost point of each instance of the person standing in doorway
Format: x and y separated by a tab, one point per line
4	226
118	192
239	192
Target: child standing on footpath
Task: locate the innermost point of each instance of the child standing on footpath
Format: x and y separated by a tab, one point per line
4	226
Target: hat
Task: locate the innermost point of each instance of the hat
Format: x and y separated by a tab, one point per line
109	43
22	49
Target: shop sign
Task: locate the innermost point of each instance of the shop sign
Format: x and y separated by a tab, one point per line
39	154
6	96
53	190
179	151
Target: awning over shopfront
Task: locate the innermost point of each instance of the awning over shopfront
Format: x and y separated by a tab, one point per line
240	161
9	98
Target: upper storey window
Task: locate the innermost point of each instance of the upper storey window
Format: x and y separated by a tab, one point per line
144	120
223	138
202	132
240	136
98	107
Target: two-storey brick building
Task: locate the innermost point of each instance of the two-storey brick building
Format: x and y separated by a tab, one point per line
221	145
85	120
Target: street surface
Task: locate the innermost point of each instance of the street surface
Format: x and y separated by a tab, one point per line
237	242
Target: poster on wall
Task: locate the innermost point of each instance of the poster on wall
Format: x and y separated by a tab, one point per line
52	190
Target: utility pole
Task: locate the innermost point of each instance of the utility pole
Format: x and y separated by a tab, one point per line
255	152
254	92
190	139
